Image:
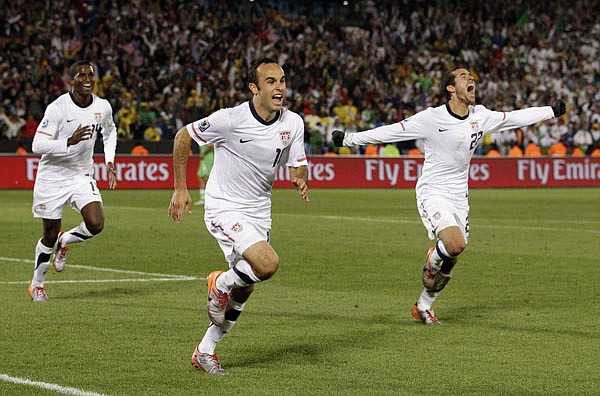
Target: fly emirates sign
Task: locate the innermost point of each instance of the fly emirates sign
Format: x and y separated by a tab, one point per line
336	172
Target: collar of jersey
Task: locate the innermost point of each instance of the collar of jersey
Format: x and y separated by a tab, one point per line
259	118
77	104
456	115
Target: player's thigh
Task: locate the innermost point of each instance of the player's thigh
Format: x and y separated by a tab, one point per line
49	199
84	192
235	233
441	212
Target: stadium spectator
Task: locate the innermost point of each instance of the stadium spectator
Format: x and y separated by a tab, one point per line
558	149
238	193
389	150
66	138
493	151
442	188
28	129
139	149
12	125
415	152
21	150
515	151
533	150
371	150
160	57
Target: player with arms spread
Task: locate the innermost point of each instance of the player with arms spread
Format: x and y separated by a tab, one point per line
65	175
251	141
451	134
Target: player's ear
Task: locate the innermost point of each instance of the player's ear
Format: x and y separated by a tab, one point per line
253	88
451	88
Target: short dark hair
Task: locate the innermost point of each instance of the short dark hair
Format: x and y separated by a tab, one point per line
450	79
73	70
252	71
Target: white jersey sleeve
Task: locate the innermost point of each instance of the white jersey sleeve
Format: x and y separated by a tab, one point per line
496	121
415	127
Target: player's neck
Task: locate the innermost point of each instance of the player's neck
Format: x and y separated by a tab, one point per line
263	113
81	100
458	107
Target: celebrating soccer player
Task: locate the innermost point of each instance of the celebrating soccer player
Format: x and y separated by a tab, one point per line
65	175
251	141
451	133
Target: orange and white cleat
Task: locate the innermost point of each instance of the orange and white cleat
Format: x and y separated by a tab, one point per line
217	300
207	362
426	316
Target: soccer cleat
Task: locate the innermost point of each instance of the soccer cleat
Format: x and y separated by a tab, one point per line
60	255
427	316
207	362
429	272
217	300
37	294
199	202
433	279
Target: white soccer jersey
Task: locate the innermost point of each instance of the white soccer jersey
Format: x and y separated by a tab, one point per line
248	152
61	119
450	140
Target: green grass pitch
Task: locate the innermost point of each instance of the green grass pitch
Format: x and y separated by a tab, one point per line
520	316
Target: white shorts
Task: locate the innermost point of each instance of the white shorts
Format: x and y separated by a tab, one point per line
236	232
439	211
50	197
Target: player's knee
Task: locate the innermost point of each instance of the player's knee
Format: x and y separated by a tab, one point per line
95	226
267	267
455	247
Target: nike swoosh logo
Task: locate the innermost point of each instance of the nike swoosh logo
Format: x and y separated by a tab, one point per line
442	129
245	141
71	120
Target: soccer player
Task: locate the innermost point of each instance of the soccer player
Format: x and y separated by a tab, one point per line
65	174
204	168
451	133
251	141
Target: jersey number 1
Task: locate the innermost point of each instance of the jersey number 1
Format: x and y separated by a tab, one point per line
277	157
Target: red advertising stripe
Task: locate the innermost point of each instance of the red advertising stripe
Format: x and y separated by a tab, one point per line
336	172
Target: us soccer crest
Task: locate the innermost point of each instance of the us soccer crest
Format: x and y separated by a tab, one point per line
285	137
98	117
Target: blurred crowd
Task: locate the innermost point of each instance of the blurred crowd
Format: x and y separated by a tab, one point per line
162	64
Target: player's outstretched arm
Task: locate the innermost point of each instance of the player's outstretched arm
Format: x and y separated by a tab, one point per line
559	107
181	197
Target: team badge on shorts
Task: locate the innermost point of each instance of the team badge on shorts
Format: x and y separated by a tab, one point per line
237	227
437	216
285	137
203	125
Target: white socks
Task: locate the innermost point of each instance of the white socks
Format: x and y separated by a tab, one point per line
75	235
241	275
215	334
42	263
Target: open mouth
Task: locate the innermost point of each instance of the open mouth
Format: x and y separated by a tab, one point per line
471	88
278	98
